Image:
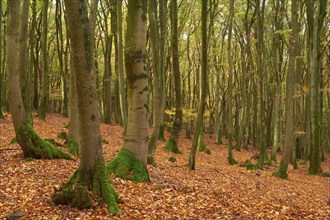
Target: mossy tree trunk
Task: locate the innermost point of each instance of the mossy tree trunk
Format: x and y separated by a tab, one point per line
42	108
201	109
278	40
91	174
289	102
1	73
131	162
230	157
172	144
31	143
162	46
261	71
156	59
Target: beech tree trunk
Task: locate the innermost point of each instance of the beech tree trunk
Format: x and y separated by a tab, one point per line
91	174
42	109
31	143
172	144
289	102
230	157
131	162
201	109
156	59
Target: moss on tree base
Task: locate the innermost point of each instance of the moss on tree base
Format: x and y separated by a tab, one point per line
73	146
35	147
282	171
172	147
126	166
231	160
151	161
76	191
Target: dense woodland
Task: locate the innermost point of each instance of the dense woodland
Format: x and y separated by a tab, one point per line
145	91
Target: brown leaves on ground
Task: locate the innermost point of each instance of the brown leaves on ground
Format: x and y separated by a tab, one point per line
215	190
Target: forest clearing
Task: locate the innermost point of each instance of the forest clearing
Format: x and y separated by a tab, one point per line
215	190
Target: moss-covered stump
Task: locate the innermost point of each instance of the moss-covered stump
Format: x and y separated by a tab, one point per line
35	147
126	166
73	146
282	171
76	192
171	146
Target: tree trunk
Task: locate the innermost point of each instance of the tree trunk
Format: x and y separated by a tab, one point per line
201	109
230	157
131	162
156	59
289	102
1	73
91	174
31	143
121	82
44	88
319	13
172	144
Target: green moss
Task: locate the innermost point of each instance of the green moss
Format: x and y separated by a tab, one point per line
36	147
325	174
14	140
62	135
151	161
126	166
251	166
73	146
102	187
282	171
76	191
52	142
273	157
172	159
29	159
82	199
146	106
64	197
171	147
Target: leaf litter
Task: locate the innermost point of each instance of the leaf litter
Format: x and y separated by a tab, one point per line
215	190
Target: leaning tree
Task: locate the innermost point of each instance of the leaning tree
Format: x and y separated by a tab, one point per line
91	174
31	143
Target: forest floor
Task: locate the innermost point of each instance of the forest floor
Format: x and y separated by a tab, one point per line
215	190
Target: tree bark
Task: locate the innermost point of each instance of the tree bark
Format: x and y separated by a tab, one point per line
289	102
230	157
131	162
31	143
91	174
156	59
201	109
172	144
